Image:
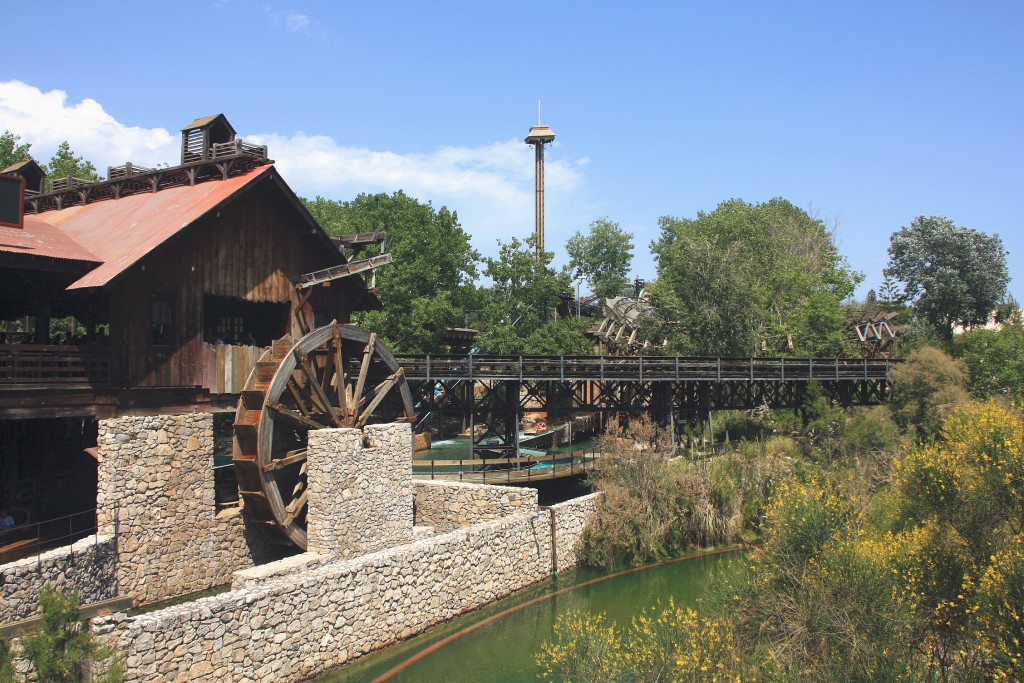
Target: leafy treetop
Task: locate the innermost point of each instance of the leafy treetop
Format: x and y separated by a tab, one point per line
951	275
65	164
519	307
11	152
749	279
602	257
430	284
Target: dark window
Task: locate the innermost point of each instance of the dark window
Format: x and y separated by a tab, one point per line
321	319
227	320
162	320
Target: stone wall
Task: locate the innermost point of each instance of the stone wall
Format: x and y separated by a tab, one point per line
360	489
296	618
156	487
447	505
86	567
294	626
570	519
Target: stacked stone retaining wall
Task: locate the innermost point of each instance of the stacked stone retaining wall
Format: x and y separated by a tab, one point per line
570	519
294	626
296	618
155	485
87	566
447	505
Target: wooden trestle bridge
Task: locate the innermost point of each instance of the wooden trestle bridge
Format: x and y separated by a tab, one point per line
494	391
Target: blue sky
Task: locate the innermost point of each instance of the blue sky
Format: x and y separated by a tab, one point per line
871	113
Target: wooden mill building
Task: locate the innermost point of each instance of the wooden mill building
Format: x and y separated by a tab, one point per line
152	291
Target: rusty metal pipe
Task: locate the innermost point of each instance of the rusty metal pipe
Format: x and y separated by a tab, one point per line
554	540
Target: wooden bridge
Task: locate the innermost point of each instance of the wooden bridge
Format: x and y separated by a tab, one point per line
643	368
488	394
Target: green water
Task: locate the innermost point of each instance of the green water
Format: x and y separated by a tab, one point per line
502	651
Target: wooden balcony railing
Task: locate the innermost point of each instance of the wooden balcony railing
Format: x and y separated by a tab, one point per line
126	171
236	147
39	365
70	183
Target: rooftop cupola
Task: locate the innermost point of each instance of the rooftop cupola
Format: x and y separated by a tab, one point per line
33	173
199	137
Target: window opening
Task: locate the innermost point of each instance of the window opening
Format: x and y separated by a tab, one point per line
228	320
162	320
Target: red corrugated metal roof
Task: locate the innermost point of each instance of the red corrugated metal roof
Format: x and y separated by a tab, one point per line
122	231
40	238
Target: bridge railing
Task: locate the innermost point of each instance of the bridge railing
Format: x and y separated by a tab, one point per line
508	470
643	368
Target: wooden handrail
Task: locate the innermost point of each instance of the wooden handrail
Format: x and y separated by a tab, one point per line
643	368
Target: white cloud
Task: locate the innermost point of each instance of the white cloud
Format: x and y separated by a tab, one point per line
491	186
296	22
47	119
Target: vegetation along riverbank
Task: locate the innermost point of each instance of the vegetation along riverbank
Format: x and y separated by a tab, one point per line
890	540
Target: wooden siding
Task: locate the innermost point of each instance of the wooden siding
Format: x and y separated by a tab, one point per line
253	250
227	366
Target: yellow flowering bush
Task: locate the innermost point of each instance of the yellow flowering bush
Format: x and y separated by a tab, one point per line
988	438
922	581
999	613
669	643
805	516
586	648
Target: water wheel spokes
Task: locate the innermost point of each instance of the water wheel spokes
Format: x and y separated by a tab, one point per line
335	376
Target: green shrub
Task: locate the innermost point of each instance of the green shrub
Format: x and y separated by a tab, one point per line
63	649
871	430
6	663
925	388
654	508
995	361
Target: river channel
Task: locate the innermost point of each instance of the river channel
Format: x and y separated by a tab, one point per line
497	643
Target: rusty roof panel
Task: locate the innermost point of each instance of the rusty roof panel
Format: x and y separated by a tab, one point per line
40	238
121	232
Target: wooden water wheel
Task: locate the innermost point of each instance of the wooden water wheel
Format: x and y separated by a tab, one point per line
335	376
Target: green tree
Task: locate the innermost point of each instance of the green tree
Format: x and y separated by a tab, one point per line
750	279
62	649
602	257
889	292
429	285
995	361
951	275
65	164
518	312
11	152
